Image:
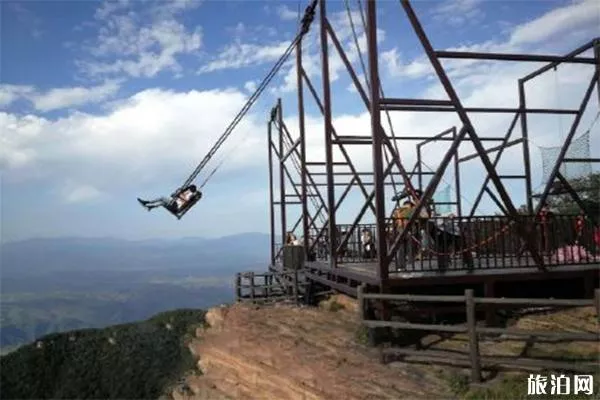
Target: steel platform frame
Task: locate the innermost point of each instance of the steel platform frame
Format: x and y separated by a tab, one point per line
284	150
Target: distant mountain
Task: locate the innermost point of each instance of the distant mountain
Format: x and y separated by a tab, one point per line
142	360
220	255
53	285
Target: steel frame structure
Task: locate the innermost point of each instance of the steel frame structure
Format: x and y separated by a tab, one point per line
286	150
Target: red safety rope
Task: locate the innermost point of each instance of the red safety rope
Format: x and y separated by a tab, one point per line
487	240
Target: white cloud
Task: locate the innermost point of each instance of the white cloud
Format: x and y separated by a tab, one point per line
577	17
287	14
72	193
155	134
150	135
74	96
58	98
238	55
10	93
458	13
126	45
554	31
250	86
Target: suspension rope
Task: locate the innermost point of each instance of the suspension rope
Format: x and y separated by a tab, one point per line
223	159
306	21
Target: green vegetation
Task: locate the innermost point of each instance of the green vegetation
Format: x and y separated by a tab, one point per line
362	335
335	306
514	387
587	188
26	316
138	360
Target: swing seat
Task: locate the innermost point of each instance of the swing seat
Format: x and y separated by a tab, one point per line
179	213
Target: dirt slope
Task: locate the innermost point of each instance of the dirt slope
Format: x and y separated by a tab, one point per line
286	352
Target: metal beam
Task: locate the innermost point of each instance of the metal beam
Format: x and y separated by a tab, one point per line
271	195
427	195
302	139
282	167
492	149
582	160
377	147
552	65
291	149
328	133
496	110
395	156
413	102
462	113
512	57
341	147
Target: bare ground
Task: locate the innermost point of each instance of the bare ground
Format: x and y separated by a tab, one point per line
288	352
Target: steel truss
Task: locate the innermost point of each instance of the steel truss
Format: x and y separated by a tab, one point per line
318	212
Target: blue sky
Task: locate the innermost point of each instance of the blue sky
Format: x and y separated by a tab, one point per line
102	102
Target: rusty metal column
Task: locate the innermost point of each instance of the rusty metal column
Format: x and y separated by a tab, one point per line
281	172
328	139
526	159
377	133
420	167
597	56
303	171
271	200
457	178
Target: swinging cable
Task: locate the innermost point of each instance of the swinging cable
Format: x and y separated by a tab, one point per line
306	21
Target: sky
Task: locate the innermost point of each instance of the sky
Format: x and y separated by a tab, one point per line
103	102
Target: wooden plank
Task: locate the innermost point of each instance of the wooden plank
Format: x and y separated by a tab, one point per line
334	285
408	325
578	336
489	362
414	297
535	302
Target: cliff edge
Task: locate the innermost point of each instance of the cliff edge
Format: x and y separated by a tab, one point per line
289	352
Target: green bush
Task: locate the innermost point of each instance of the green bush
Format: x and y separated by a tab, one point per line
138	360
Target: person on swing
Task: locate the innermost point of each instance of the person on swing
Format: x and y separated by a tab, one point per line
176	203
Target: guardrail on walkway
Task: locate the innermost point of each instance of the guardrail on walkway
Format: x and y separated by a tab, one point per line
475	359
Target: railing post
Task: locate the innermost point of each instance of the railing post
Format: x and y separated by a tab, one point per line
296	285
267	288
238	287
597	302
360	301
252	286
473	340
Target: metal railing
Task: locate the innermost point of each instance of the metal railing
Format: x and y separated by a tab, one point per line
479	242
264	287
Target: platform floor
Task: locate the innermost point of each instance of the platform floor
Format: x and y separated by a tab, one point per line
482	267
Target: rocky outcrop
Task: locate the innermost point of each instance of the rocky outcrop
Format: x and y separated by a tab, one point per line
288	352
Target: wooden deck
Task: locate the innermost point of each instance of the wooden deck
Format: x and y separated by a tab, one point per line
411	272
427	272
